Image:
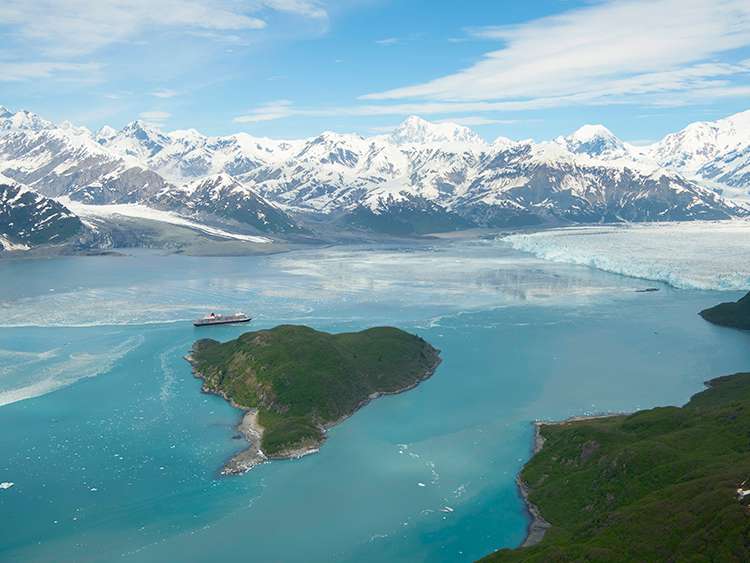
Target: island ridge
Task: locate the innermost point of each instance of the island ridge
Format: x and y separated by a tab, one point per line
296	382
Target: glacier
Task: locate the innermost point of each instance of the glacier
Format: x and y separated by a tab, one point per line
712	255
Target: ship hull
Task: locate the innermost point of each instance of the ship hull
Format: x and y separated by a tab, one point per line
221	322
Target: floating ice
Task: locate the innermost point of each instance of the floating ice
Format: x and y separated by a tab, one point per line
57	370
691	255
6	485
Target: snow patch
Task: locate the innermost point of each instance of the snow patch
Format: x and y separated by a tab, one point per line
138	211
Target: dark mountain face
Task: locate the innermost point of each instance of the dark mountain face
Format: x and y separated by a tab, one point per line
29	219
224	198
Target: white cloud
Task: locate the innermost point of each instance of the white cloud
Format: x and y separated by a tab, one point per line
476	120
164	93
155	118
387	42
614	48
305	8
269	111
15	71
78	27
154	115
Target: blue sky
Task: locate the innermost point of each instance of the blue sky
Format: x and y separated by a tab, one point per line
292	68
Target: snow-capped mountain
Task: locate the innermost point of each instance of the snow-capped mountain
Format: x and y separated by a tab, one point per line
422	176
24	120
417	131
596	141
530	183
702	143
223	197
54	160
29	219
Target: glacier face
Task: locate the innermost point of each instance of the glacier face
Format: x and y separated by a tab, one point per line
697	255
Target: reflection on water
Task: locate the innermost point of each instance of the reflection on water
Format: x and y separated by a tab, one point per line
158	289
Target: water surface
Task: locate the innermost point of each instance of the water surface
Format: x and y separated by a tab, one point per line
115	453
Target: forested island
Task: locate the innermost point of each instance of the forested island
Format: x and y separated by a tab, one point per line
656	485
295	382
732	314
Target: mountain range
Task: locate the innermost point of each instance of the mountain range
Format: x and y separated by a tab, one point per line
423	177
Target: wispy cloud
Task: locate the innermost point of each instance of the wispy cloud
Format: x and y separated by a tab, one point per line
15	71
387	42
155	118
284	108
269	111
656	53
155	115
77	27
612	49
164	93
477	120
305	8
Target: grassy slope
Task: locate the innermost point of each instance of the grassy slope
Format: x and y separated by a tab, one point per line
302	380
657	485
736	315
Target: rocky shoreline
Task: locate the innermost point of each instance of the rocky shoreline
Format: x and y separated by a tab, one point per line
538	526
252	431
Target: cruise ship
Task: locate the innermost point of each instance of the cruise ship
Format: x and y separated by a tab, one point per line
214	319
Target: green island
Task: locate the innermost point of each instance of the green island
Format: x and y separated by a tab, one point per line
295	382
732	314
656	485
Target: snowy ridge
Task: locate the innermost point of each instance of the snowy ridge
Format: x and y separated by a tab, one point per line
439	175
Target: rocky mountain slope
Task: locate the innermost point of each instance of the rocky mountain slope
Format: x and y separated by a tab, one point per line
711	150
422	177
29	219
223	197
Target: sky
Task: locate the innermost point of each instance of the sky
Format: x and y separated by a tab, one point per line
293	68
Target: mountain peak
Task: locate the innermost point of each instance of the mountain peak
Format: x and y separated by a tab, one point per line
594	140
105	133
701	142
589	132
140	125
415	130
137	139
741	119
23	120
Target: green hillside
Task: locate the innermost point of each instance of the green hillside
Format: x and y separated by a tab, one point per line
733	314
303	381
657	485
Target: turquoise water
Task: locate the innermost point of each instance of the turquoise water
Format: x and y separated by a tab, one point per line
115	452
